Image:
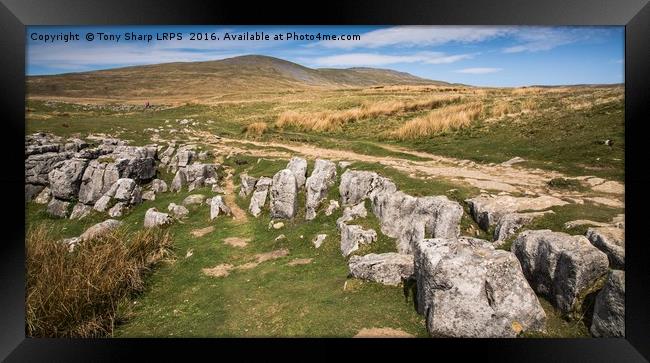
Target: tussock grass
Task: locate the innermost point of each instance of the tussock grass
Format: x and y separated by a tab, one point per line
255	129
503	107
439	120
80	293
329	121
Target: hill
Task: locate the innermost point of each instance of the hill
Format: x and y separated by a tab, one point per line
186	81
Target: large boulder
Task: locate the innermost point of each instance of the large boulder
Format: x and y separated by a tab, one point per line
258	200
158	186
100	229
194	199
487	210
166	156
247	185
218	206
136	162
354	235
58	208
80	211
317	185
299	168
610	240
510	223
180	180
466	288
96	181
102	203
410	219
65	178
38	166
386	268
284	195
609	309
153	218
358	185
559	266
126	190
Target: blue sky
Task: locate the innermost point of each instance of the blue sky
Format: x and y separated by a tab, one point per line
482	56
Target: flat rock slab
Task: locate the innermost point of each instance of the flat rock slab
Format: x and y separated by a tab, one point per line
386	268
221	270
382	333
202	231
237	241
487	210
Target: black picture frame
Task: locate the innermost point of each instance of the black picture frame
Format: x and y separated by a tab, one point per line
16	14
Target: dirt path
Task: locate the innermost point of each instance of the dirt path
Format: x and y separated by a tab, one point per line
238	214
513	179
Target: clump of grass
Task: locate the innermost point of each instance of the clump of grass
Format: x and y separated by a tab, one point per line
502	108
329	121
439	120
79	293
562	183
255	129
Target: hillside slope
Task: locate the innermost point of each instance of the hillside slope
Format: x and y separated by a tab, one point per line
201	80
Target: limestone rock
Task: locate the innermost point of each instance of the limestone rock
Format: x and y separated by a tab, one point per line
149	195
117	210
158	186
609	309
38	166
318	240
258	200
487	210
193	199
610	240
80	211
317	185
65	178
559	266
284	195
218	206
44	196
97	180
358	185
331	207
299	168
178	211
32	191
386	268
354	235
466	288
247	185
100	229
510	223
153	218
126	190
58	208
179	181
102	203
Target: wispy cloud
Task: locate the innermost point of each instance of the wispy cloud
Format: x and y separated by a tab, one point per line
535	39
479	70
376	59
410	36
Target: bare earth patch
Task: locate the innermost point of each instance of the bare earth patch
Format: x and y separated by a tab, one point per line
300	261
266	256
219	270
202	232
237	241
382	333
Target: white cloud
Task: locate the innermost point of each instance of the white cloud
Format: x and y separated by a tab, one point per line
376	59
535	39
418	36
479	70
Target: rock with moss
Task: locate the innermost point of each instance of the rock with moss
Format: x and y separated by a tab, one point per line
386	268
467	289
610	240
559	266
317	186
609	308
284	195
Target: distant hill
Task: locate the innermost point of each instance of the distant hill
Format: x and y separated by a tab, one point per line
200	80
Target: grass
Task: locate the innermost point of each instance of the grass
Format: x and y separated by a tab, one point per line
440	120
82	293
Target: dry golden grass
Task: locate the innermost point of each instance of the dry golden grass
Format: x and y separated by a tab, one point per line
79	293
332	120
503	107
255	129
440	120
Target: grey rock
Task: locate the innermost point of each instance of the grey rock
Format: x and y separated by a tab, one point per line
354	235
194	199
158	186
358	185
317	185
510	223
166	156
97	180
32	191
80	211
344	164
247	185
258	200
102	203
318	240
609	309
38	166
284	195
100	229
487	209
195	184
149	195
559	266
126	190
610	240
65	178
44	196
153	218
117	210
179	181
299	168
466	288
216	188
352	212
386	268
58	208
331	207
178	211
218	206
